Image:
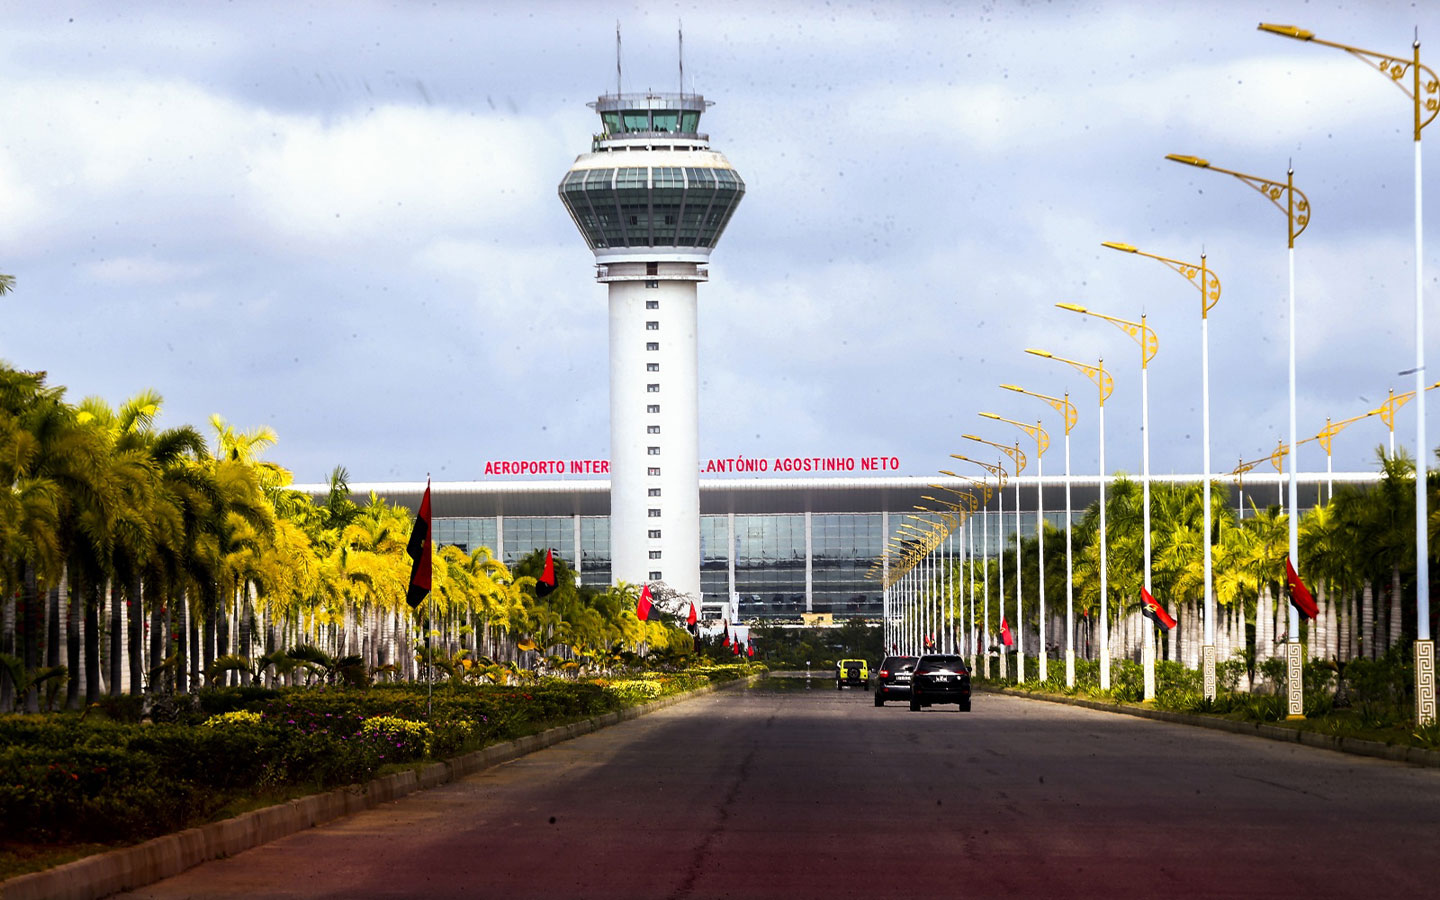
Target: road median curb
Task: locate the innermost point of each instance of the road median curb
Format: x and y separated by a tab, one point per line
1418	756
129	868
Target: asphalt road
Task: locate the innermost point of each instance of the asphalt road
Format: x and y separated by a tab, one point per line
786	792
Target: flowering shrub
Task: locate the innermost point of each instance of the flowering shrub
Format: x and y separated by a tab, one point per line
634	691
238	717
408	739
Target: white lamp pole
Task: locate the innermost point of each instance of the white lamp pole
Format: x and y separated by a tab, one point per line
1017	629
1063	406
1105	385
1208	283
1149	346
1042	443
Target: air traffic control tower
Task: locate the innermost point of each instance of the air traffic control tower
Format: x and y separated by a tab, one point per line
652	199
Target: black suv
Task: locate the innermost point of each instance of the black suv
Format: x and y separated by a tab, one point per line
940	679
892	682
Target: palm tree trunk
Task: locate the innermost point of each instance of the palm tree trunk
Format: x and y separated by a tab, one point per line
73	601
93	594
1265	621
1395	613
242	627
180	610
1367	620
7	645
1332	625
136	610
222	636
159	632
114	672
212	638
52	628
31	616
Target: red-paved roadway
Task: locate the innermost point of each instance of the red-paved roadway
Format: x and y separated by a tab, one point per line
791	793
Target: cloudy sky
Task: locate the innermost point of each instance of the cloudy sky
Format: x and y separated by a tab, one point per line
340	220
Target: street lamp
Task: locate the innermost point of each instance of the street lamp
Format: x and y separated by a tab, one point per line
1018	458
927	541
1239	472
1426	105
945	580
961	515
1386	410
1297	219
999	472
1325	436
974	506
1063	406
1144	335
1042	443
1209	286
1105	384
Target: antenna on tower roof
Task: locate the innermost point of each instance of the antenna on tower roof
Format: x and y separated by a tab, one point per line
617	57
680	26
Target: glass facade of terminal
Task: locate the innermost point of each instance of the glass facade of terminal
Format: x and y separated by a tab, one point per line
779	565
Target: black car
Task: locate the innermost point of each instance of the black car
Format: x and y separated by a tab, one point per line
940	679
892	681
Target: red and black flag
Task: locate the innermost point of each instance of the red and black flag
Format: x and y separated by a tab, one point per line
727	635
1299	594
1006	637
750	649
693	617
1155	612
419	550
642	606
545	584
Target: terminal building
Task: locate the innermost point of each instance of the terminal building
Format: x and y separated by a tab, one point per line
777	546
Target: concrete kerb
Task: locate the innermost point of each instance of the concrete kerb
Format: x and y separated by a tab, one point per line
132	867
1393	752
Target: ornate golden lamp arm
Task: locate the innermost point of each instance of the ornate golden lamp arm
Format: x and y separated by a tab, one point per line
1143	334
1206	281
1296	206
1095	373
1061	405
1017	456
1426	100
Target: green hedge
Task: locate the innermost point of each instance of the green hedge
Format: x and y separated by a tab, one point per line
71	778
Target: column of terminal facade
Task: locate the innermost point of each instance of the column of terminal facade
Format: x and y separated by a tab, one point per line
651	199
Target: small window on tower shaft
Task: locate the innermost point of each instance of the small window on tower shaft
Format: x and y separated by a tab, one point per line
654	532
652	345
652	268
653	408
652	367
654	554
652	304
653	470
652	326
655	576
654	492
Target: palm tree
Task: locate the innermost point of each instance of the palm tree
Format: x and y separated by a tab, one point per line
30	504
